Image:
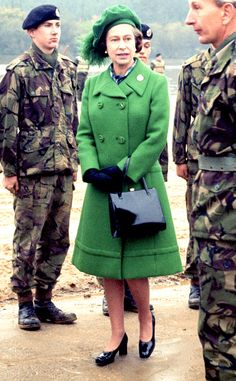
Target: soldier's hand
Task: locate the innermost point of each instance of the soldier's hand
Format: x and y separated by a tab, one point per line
182	171
11	184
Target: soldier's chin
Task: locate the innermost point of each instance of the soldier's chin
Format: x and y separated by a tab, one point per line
203	40
54	44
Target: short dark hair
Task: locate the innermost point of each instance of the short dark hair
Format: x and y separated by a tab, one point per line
221	2
138	43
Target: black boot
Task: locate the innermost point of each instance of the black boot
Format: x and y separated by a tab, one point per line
49	313
27	318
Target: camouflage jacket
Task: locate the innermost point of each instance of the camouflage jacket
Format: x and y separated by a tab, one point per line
38	119
214	192
82	74
189	82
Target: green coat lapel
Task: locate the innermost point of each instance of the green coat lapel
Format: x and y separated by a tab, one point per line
135	82
106	86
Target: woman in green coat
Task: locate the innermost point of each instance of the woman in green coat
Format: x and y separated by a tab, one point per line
125	112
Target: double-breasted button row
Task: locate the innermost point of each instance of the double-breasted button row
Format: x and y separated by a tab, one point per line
119	139
121	105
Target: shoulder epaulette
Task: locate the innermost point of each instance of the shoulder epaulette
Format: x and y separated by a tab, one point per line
66	58
196	58
20	59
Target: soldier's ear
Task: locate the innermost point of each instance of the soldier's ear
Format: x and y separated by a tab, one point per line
228	12
30	32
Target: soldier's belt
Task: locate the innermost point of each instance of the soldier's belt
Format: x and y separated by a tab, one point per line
221	163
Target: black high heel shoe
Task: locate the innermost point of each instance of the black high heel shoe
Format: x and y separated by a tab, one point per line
106	358
146	348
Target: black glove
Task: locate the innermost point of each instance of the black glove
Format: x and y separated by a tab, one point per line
115	172
117	177
100	179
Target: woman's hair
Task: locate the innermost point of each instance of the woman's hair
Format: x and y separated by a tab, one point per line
138	42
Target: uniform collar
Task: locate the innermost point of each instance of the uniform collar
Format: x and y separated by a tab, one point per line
220	57
39	60
136	81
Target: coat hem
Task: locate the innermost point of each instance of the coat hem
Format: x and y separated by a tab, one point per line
129	267
128	253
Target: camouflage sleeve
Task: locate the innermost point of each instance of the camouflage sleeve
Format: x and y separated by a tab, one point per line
231	80
75	120
164	160
182	119
9	105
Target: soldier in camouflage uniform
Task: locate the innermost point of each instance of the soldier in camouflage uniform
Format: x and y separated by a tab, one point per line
214	189
185	152
38	154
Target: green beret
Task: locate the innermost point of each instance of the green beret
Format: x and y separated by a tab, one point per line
40	14
114	15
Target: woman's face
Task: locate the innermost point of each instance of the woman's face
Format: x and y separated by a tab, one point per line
120	43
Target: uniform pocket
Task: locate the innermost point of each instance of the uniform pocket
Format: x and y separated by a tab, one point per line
208	99
214	204
68	100
36	109
35	140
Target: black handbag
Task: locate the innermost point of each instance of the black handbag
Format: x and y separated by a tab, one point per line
135	213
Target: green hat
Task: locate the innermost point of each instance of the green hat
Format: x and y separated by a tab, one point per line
115	15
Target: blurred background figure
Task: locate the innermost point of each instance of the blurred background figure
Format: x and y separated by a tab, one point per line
158	64
82	74
144	54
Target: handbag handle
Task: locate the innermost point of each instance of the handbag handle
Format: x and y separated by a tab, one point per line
125	171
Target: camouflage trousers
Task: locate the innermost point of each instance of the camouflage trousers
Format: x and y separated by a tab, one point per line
191	264
217	316
41	239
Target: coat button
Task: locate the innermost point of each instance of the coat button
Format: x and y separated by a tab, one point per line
121	139
101	138
140	77
122	106
100	105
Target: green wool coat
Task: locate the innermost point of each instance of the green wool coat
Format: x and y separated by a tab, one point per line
116	121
